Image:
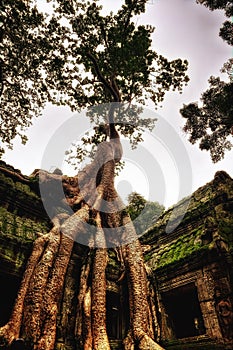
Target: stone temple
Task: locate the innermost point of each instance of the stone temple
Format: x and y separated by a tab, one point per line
190	268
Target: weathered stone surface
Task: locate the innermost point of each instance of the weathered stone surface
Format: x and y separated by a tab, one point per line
207	221
193	262
199	254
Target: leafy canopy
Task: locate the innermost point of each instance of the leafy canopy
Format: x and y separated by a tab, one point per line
211	124
226	32
21	84
75	56
144	213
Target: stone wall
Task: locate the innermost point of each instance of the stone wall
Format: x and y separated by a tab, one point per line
190	268
194	262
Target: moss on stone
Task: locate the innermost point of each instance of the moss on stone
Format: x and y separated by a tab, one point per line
14	254
22	227
18	187
209	212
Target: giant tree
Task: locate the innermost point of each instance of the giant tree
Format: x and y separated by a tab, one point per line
105	62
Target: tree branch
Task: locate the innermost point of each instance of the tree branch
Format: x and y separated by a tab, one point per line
102	79
103	31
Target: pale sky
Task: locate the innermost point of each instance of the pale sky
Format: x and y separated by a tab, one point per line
183	29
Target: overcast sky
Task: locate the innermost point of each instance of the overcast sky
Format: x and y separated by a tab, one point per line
183	29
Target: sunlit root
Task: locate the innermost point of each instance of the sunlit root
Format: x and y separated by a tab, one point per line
37	287
146	343
75	225
99	331
11	330
129	342
83	331
53	295
140	314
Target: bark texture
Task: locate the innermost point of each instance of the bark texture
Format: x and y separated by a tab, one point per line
92	197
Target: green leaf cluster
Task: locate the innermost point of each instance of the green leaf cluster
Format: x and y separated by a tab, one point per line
75	56
212	123
226	32
143	213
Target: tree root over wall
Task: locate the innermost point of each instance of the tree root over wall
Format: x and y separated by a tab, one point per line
36	308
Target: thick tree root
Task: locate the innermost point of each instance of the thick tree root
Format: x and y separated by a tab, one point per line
129	342
37	288
99	331
11	330
140	332
35	311
143	341
146	343
87	325
93	195
53	293
83	314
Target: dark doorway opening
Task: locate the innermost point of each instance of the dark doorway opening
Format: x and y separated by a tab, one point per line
9	286
113	315
183	309
117	321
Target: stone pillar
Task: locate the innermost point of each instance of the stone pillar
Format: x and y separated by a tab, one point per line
205	288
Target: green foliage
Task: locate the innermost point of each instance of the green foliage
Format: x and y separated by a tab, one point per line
21	55
114	51
21	189
75	56
219	5
212	123
113	262
226	32
180	249
14	225
136	204
143	213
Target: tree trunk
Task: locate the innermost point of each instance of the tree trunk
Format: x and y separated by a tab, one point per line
35	312
99	332
83	332
137	283
11	330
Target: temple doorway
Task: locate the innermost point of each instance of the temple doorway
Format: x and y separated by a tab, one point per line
113	315
117	314
9	286
183	309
